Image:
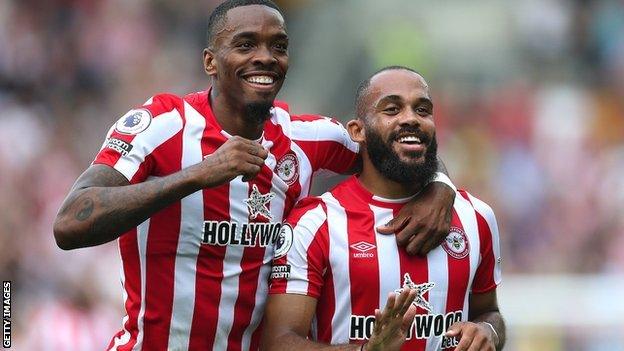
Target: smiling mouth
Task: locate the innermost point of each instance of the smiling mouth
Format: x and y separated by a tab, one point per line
260	80
409	139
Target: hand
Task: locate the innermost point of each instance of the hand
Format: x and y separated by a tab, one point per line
424	222
392	324
473	336
237	156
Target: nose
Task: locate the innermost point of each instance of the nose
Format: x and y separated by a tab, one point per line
264	56
410	118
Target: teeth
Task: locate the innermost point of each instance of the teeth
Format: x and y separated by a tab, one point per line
409	139
260	79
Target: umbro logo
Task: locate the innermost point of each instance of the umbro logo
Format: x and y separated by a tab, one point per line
363	249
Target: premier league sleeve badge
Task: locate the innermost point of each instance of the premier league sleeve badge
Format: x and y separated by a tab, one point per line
134	122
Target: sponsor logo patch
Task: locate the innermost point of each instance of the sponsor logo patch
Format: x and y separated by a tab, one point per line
456	243
284	241
424	326
287	168
421	289
118	145
257	203
225	233
280	271
362	249
134	122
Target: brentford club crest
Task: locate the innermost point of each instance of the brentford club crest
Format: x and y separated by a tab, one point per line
456	243
287	168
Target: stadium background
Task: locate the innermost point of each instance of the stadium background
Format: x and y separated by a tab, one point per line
529	104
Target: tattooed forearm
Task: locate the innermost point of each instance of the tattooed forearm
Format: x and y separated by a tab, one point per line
86	209
103	205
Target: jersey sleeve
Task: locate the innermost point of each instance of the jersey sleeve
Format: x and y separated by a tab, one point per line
298	268
130	143
326	143
488	274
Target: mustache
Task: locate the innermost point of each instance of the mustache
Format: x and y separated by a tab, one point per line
424	137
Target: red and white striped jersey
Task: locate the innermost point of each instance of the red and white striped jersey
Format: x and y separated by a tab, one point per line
196	274
329	250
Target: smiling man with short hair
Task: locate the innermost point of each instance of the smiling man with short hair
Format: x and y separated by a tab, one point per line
334	272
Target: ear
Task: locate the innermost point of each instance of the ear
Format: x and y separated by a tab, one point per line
210	64
355	127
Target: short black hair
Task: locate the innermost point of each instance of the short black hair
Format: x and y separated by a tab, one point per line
218	14
363	88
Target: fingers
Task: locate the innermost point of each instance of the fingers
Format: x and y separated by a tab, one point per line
258	150
246	156
415	243
431	239
387	311
382	317
471	337
466	341
438	233
247	146
404	304
408	317
394	225
397	305
454	330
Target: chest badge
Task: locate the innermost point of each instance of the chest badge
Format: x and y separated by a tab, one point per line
257	203
287	168
456	243
421	289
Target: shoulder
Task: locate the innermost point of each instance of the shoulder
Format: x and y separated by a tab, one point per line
307	218
162	103
479	206
308	119
309	204
161	111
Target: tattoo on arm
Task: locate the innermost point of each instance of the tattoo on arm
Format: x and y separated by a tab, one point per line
86	209
102	205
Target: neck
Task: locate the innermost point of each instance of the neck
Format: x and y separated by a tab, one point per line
376	183
231	117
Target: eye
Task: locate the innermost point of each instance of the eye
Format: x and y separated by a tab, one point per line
281	47
246	45
391	110
423	111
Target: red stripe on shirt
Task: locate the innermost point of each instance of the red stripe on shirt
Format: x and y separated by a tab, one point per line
281	147
363	271
129	250
160	261
210	257
418	269
484	277
251	262
458	274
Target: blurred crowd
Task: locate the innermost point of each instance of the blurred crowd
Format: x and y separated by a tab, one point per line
529	106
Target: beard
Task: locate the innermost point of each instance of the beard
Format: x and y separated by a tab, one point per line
385	159
258	112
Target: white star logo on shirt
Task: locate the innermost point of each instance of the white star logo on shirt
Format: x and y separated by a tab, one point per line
421	289
257	203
